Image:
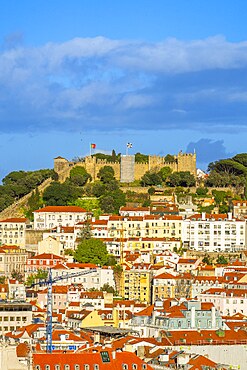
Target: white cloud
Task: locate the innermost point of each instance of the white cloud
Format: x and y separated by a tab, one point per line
98	79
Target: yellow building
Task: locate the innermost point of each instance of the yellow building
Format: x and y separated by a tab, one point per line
136	283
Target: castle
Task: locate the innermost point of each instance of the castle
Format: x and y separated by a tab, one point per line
127	170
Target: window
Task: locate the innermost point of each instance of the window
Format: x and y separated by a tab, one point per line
66	367
37	367
134	366
96	367
144	366
125	367
77	367
47	367
57	367
86	367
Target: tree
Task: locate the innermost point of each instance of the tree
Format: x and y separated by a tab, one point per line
151	191
86	231
79	176
112	201
2	279
202	192
33	203
91	251
106	174
151	178
165	172
17	275
60	194
222	260
108	288
141	158
183	178
98	189
111	260
207	260
41	274
169	158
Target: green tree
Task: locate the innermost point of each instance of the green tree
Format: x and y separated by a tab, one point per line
108	288
164	173
79	176
141	158
106	174
112	201
183	178
151	191
60	194
34	202
222	260
98	189
17	275
91	251
169	158
2	279
41	274
150	179
207	260
86	231
202	192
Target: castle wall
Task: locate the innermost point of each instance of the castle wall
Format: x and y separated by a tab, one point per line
183	162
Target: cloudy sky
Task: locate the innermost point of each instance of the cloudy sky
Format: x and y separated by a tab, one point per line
166	75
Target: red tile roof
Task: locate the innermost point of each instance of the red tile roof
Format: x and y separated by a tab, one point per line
15	220
66	209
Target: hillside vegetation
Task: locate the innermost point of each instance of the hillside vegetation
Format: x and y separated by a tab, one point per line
105	195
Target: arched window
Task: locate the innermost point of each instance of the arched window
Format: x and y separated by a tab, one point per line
134	366
125	367
37	367
96	367
86	367
77	367
57	367
47	367
66	367
144	366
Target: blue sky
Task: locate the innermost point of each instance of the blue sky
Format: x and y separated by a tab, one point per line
164	75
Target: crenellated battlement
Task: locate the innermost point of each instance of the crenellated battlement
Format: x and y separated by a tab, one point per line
182	162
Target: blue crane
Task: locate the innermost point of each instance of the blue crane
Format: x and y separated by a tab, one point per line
49	282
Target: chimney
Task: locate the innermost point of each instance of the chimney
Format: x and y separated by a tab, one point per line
203	216
230	216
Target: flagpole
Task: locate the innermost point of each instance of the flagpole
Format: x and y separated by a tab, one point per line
127	149
90	150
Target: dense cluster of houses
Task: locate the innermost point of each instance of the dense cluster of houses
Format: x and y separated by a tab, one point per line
166	307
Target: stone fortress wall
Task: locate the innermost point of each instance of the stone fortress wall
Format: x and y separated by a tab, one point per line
182	162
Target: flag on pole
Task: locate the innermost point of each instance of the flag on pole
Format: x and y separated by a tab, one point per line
93	146
129	145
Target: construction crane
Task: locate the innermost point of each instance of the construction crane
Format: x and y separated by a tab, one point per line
49	282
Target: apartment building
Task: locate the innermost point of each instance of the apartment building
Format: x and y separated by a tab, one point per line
54	216
136	282
239	208
227	301
12	258
214	232
14	315
12	231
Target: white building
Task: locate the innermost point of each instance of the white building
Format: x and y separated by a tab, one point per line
216	232
53	216
227	301
102	275
12	231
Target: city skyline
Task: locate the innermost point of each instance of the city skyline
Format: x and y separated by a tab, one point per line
165	77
